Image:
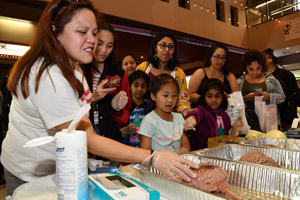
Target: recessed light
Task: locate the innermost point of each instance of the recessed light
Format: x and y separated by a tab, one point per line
287	48
297	51
142	56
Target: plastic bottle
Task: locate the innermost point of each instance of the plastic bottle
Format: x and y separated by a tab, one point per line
71	166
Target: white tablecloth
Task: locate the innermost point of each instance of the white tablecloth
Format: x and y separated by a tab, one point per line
42	189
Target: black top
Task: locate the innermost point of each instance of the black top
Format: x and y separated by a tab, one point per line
288	109
107	125
225	81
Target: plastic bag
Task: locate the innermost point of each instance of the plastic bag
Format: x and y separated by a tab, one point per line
267	114
236	107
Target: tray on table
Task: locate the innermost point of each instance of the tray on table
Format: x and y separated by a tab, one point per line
287	159
291	144
247	180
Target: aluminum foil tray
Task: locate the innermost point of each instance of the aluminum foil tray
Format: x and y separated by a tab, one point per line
286	158
292	144
247	180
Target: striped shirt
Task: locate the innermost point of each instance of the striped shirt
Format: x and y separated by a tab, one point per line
96	77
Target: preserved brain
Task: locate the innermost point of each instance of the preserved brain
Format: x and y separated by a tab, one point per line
259	158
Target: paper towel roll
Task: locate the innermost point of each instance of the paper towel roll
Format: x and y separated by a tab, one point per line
71	166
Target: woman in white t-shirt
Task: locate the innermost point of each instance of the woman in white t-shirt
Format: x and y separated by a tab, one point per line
48	88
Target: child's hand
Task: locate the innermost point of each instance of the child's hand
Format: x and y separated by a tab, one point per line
237	126
190	123
182	150
129	130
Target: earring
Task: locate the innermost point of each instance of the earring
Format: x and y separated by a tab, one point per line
53	28
155	56
172	58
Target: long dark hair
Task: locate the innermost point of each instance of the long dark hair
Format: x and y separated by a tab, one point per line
210	53
111	59
213	83
46	45
140	74
172	62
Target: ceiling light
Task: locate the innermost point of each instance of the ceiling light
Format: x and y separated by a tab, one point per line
260	5
287	48
274	13
13	49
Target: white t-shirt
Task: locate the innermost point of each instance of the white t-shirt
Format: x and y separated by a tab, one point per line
164	134
36	116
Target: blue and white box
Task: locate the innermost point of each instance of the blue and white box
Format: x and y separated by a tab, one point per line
114	185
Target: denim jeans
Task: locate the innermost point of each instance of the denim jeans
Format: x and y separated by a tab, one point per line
12	182
97	129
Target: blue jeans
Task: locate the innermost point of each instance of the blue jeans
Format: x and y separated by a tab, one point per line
97	129
12	182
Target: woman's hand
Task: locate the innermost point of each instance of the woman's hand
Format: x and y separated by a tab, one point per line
249	97
101	92
119	101
172	165
266	96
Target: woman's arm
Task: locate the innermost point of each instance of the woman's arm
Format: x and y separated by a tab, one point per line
183	103
278	96
167	162
234	86
106	147
194	85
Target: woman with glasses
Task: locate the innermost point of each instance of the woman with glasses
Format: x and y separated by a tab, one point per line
215	66
48	89
162	60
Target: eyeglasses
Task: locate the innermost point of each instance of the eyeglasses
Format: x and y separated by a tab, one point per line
218	58
60	5
164	46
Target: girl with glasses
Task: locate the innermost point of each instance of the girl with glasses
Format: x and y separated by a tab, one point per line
162	60
48	88
215	66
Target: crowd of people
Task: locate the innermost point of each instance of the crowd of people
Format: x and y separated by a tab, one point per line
141	113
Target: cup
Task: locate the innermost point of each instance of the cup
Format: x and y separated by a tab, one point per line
71	166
